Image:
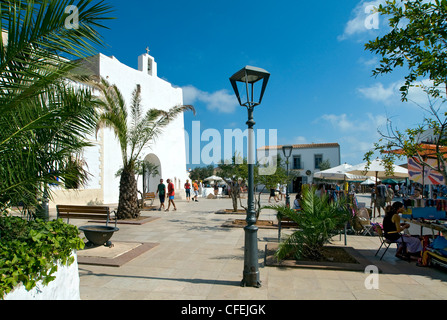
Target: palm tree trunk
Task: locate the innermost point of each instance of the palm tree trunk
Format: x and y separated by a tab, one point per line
128	201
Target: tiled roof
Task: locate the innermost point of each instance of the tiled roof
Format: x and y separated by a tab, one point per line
305	146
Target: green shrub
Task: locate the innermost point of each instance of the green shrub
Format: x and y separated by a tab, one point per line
318	221
30	251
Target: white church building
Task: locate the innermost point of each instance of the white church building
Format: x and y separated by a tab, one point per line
103	160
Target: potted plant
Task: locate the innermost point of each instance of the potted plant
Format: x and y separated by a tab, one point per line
319	220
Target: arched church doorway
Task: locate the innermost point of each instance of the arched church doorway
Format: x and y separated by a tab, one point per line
152	173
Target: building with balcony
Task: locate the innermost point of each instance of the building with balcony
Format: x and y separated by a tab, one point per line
306	160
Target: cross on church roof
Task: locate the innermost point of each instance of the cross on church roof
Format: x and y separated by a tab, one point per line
147	50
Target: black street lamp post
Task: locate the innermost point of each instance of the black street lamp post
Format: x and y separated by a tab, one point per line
249	76
287	151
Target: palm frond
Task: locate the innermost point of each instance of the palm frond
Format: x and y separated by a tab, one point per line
318	221
43	118
37	39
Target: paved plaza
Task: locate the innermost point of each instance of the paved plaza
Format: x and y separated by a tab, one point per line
192	257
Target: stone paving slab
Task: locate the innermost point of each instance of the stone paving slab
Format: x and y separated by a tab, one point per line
116	256
197	259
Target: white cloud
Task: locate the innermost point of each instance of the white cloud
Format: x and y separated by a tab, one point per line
365	123
363	19
356	133
369	62
379	93
391	95
377	121
300	140
354	148
221	101
340	122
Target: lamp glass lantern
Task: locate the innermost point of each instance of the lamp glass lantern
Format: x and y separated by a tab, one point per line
249	76
287	151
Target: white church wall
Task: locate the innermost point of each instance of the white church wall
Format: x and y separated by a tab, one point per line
105	159
155	93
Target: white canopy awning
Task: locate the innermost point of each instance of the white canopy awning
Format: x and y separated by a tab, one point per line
377	169
339	173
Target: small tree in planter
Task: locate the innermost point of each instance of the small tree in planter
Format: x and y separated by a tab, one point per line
235	174
318	221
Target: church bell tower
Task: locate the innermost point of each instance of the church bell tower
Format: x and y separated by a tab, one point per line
147	64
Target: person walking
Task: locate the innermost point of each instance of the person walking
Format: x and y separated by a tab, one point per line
196	191
161	191
188	191
273	195
283	192
171	194
397	190
381	197
389	195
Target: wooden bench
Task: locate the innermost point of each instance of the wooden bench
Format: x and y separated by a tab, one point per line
85	212
284	222
149	197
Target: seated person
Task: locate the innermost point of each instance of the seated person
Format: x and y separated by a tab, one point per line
297	203
417	194
392	228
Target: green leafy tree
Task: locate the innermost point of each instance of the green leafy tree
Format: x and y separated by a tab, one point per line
201	173
270	181
325	165
235	174
418	42
134	131
44	119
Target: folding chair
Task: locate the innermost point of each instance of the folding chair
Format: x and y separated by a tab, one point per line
385	242
365	221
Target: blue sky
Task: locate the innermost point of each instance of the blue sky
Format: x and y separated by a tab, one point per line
321	87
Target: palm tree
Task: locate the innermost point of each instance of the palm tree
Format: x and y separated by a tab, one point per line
43	117
142	168
134	133
318	221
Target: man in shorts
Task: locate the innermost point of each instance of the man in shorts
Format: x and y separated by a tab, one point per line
161	191
196	191
171	194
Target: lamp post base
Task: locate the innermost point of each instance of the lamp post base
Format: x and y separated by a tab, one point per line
251	280
251	273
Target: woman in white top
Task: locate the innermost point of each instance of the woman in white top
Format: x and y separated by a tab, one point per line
283	191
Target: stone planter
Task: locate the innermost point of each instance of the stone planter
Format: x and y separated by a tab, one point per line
98	235
64	287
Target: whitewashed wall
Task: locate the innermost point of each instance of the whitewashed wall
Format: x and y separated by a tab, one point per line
66	286
105	159
156	93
